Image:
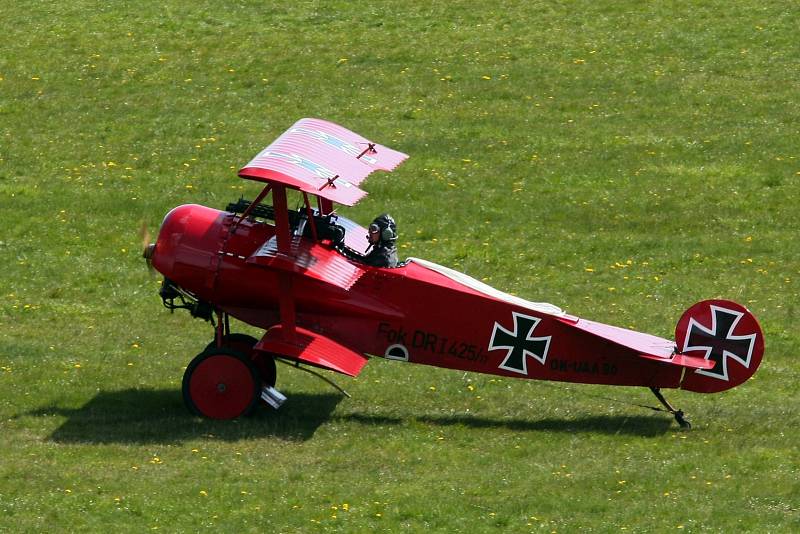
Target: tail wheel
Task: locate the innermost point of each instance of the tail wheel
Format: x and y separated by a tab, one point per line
221	383
244	344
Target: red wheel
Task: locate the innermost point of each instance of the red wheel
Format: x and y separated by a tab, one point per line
221	384
244	344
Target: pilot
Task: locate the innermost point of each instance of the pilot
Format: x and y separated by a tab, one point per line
382	236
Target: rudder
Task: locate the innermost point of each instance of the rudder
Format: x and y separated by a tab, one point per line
726	333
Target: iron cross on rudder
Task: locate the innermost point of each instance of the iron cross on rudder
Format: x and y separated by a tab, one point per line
719	342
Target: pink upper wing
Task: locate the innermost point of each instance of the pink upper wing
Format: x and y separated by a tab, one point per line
322	158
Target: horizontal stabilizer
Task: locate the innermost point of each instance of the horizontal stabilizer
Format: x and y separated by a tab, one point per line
312	348
653	347
646	346
693	362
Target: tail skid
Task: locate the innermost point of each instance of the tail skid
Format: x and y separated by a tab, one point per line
677	413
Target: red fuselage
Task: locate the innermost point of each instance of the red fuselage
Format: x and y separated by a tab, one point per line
410	313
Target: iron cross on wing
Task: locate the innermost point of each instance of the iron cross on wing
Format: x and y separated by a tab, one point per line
719	342
520	343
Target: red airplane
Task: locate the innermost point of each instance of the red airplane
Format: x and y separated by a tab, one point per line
304	277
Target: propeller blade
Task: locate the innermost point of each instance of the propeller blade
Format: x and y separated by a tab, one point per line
148	248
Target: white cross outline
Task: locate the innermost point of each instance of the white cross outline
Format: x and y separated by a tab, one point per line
528	337
713	333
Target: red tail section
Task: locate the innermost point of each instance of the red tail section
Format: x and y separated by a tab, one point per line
726	333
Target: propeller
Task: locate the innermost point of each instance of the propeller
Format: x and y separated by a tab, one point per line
148	248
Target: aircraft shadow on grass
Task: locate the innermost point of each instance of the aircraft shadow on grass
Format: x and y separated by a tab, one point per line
159	416
643	426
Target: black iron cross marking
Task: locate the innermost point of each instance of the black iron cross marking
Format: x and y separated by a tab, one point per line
520	343
719	342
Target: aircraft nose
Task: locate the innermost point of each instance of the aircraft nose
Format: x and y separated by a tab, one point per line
188	236
163	251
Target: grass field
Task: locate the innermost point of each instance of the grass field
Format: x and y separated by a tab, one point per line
620	160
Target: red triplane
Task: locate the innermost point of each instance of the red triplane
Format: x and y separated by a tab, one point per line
294	274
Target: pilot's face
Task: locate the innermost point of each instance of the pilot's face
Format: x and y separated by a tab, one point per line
374	234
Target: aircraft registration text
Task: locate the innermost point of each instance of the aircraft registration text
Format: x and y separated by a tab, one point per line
431	343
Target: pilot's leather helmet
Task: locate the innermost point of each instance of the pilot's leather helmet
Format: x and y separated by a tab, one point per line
386	226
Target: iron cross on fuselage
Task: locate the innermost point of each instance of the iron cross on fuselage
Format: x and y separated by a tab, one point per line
520	343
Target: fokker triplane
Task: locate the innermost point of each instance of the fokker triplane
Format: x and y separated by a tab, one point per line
300	275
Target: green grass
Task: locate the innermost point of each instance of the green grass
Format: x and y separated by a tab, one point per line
617	159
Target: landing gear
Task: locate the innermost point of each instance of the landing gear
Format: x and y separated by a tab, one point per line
229	377
686	425
244	344
221	383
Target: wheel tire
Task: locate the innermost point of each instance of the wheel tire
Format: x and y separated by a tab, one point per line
244	344
241	343
221	383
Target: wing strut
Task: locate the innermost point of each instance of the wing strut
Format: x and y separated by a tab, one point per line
249	209
296	365
283	235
